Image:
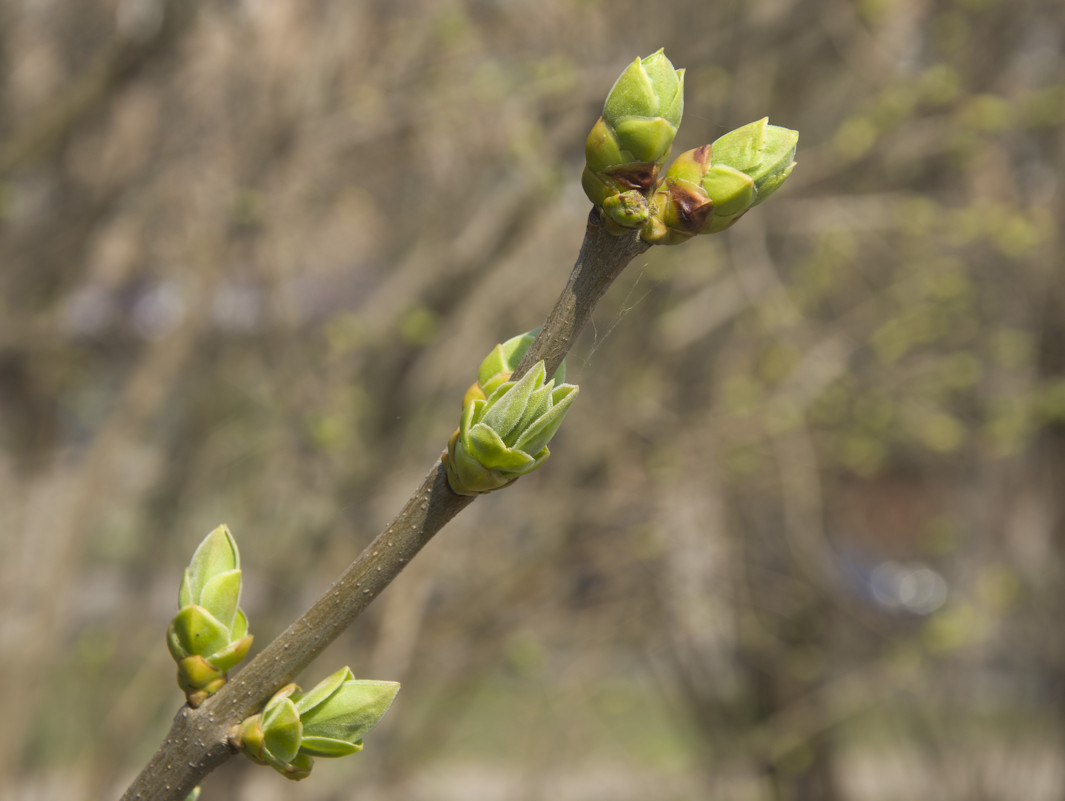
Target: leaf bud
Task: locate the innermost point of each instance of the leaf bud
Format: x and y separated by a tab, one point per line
504	435
209	634
631	141
708	189
328	721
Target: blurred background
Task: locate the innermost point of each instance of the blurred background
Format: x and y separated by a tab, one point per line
801	536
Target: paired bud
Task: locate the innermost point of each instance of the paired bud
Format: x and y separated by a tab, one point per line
708	189
209	634
631	141
704	191
329	721
505	424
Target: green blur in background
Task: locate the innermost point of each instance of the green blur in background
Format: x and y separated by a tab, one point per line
801	538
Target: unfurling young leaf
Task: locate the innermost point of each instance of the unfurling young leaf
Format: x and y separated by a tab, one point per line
328	721
209	634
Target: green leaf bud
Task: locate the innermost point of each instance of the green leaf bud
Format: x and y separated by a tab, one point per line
645	139
282	729
194	630
505	435
240	625
764	152
626	209
229	657
499	365
631	141
335	723
708	189
273	736
601	148
221	595
322	691
680	206
504	408
505	357
730	190
298	768
329	721
644	107
209	634
198	679
216	554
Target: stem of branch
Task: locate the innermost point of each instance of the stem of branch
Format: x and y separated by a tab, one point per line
602	258
197	742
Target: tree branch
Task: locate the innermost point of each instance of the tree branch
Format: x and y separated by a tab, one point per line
44	132
197	741
602	258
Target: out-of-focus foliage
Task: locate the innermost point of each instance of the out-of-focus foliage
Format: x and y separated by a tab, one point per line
802	537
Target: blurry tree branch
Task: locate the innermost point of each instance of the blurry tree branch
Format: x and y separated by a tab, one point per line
197	742
94	474
149	35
